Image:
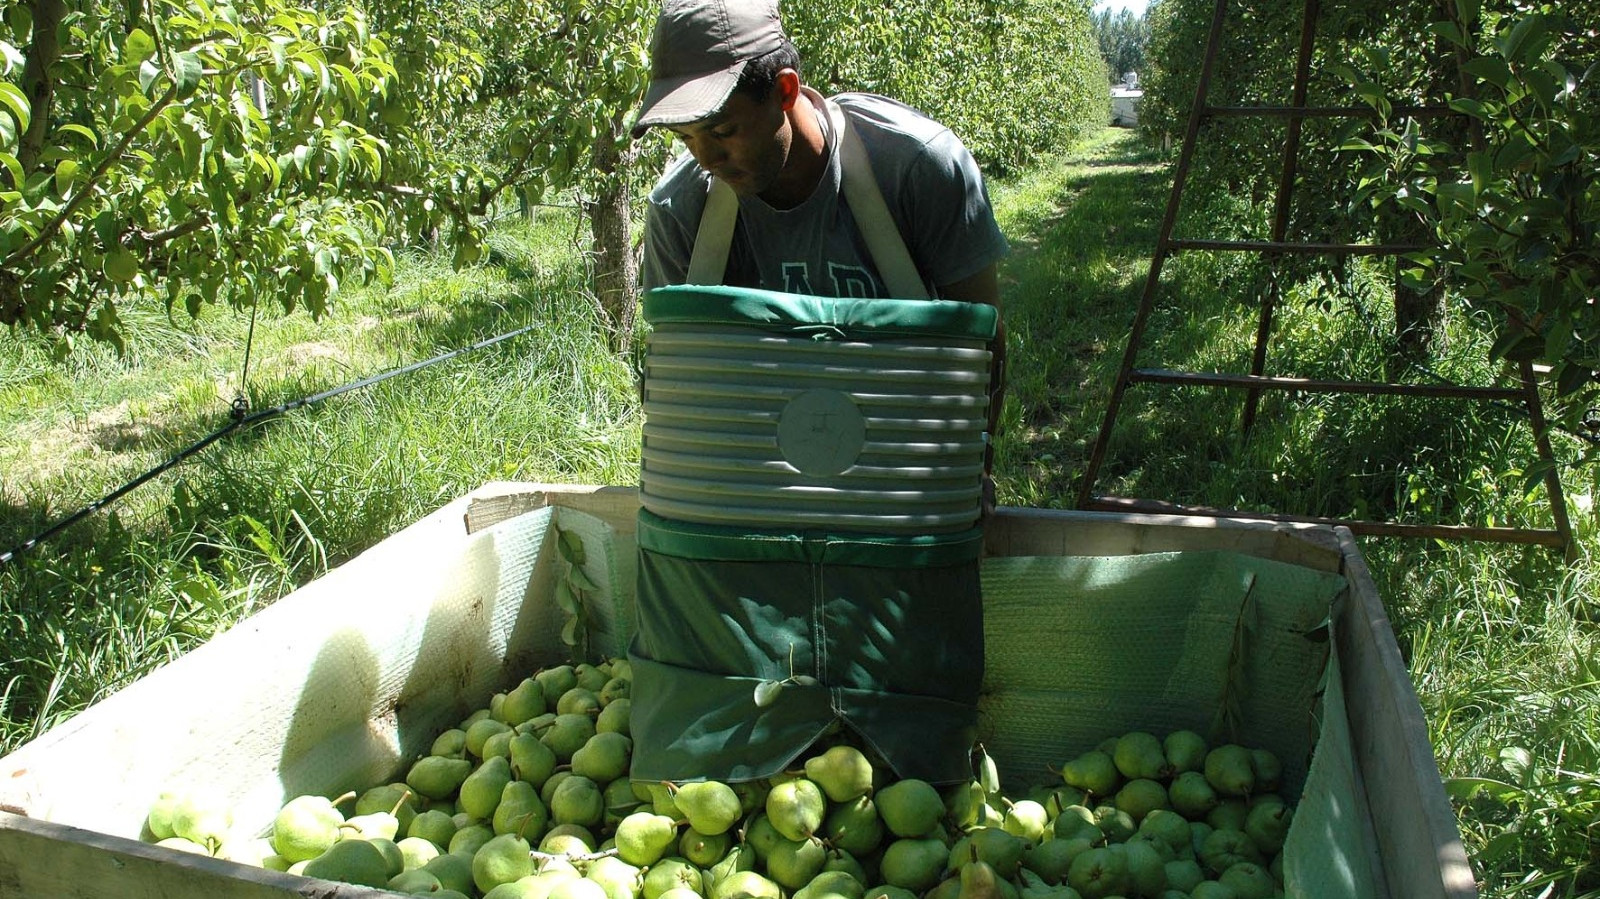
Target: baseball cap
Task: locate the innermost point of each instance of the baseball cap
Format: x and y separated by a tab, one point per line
697	52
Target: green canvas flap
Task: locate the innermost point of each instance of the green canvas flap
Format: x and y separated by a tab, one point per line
844	318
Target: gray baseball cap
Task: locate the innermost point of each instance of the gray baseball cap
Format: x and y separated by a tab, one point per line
698	51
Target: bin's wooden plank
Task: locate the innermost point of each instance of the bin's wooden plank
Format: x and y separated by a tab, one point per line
497	501
1417	832
38	859
1045	532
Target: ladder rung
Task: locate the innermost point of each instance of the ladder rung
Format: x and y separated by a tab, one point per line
1532	536
1276	246
1323	112
1265	382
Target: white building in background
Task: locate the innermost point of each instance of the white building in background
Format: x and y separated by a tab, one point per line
1125	99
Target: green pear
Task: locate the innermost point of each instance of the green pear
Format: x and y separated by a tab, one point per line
1000	849
451	744
438	776
1191	795
914	863
1076	821
672	873
414	882
392	856
1115	823
1267	825
796	808
831	885
710	806
1140	755
577	800
619	879
1094	772
417	851
531	760
1050	859
498	744
203	817
454	871
615	689
1248	881
888	891
590	677
1166	826
376	826
979	880
520	811
1147	873
502	859
1098	873
579	701
480	732
397	799
183	844
739	858
843	772
1183	874
909	807
351	861
1229	771
839	860
643	838
1028	819
760	834
964	802
1230	814
854	826
1225	848
664	799
621	801
792	863
557	680
567	734
251	851
305	827
481	791
434	826
704	849
1185	751
524	701
747	885
159	819
615	717
603	757
468	839
1140	796
1267	769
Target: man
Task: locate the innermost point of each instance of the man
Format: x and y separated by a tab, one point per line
725	80
752	642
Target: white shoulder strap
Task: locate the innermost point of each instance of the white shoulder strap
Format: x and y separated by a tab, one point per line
711	243
709	260
878	229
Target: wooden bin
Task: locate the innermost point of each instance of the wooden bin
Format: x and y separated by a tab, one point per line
340	683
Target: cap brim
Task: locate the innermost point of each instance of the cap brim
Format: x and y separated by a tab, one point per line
684	99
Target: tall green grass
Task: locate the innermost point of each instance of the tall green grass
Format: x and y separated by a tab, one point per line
279	502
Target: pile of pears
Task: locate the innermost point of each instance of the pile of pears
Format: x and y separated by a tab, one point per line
530	799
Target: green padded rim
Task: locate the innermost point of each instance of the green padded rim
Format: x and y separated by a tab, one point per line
735	544
823	317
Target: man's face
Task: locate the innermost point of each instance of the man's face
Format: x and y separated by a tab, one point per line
745	144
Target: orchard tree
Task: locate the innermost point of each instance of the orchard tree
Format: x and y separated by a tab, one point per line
238	152
1122	36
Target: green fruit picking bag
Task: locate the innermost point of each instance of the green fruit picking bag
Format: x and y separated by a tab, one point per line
750	644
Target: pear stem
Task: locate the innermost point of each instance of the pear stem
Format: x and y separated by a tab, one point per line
349	795
538	856
404	795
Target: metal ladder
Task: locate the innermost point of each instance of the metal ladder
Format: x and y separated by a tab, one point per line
1256	381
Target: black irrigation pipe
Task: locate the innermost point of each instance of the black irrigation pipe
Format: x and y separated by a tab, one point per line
241	418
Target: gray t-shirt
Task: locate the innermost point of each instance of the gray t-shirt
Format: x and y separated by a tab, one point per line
929	181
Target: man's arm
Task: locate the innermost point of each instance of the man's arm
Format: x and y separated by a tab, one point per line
984	287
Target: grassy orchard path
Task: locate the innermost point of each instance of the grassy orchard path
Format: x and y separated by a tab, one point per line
1501	641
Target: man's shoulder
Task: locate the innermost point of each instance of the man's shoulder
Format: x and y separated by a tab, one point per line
890	119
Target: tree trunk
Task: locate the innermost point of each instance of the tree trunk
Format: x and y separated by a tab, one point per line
37	83
616	275
1418	317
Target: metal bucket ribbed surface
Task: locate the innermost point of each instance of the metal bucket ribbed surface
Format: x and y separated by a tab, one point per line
748	427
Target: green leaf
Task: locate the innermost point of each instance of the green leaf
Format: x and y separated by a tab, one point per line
148	73
569	632
1572	377
16	103
138	47
581	581
81	131
565	599
571	547
187	71
66	171
1490	69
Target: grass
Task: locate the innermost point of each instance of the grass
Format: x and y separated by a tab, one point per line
1500	639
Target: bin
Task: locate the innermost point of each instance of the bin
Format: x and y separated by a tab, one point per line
339	684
